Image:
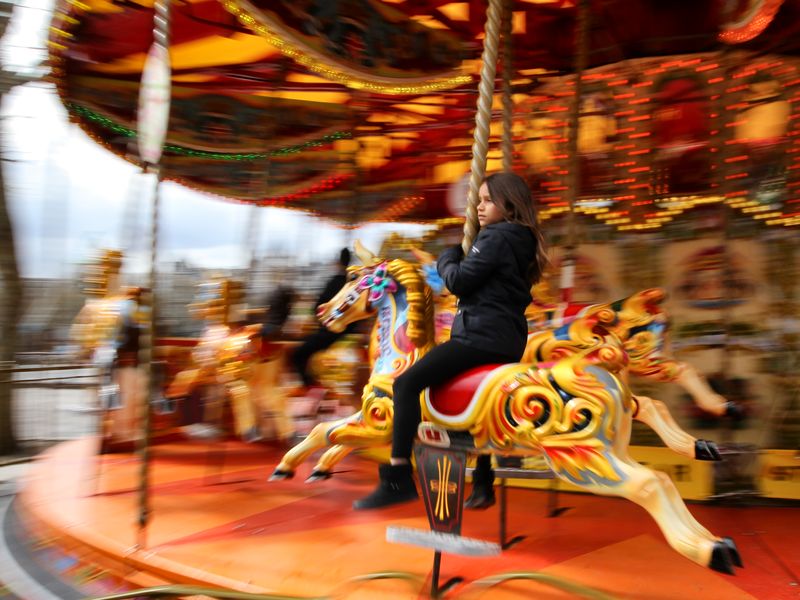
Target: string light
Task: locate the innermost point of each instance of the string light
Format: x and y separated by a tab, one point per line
633	141
111	125
756	23
258	23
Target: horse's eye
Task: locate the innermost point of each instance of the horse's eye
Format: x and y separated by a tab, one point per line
352	276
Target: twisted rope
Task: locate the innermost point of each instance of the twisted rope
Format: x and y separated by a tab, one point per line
483	120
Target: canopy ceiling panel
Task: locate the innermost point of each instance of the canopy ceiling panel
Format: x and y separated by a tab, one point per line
362	110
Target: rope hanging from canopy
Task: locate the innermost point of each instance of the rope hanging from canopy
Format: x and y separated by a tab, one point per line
483	120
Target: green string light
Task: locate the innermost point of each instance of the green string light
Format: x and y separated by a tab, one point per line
111	125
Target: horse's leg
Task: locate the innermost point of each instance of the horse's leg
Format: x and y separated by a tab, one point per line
655	415
689	520
243	411
329	459
655	492
357	432
318	438
677	501
696	385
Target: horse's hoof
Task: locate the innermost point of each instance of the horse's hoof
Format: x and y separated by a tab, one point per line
280	475
733	551
706	450
318	476
721	558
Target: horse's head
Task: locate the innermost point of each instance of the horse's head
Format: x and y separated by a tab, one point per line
365	288
371	285
219	301
102	276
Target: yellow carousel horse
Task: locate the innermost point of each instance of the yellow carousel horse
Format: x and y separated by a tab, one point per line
639	322
106	331
576	412
227	367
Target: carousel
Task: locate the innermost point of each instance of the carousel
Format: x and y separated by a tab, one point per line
661	143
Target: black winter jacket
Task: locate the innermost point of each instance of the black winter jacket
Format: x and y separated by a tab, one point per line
492	287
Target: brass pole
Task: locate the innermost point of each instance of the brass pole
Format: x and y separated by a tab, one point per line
483	120
160	37
574	177
508	100
147	341
728	65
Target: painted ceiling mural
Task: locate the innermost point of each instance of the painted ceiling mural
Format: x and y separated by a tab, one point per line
362	110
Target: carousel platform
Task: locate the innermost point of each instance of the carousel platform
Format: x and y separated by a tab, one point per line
216	522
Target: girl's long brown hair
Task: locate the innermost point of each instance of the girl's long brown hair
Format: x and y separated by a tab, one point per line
511	194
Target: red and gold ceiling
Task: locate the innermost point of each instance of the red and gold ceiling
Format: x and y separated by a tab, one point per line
362	110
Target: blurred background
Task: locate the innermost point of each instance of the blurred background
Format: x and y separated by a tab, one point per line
684	175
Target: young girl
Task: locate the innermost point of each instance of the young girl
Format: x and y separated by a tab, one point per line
493	285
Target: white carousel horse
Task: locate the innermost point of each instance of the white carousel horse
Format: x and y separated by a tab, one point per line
576	413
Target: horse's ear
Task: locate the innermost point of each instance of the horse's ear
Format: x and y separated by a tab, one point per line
364	255
422	256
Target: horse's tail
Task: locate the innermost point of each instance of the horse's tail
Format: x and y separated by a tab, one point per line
643	325
585	331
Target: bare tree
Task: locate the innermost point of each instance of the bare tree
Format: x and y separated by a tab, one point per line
10	282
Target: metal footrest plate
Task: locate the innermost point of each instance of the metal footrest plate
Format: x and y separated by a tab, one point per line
442	542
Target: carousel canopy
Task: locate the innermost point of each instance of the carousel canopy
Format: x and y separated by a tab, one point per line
363	110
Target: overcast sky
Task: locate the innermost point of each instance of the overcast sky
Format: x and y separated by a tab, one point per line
69	196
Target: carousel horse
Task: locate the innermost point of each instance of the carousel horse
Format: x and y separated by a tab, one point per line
106	331
640	323
576	412
224	360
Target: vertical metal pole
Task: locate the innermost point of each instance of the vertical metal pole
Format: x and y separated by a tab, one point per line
483	120
503	516
552	499
574	178
152	136
437	563
359	99
146	358
355	190
508	100
725	135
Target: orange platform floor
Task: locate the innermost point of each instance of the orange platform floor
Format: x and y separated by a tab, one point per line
217	522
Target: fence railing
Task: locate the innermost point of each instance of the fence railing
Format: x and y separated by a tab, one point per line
52	402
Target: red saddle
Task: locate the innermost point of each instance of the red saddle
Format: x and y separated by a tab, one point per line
453	397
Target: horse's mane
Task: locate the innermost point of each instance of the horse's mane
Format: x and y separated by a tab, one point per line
420	302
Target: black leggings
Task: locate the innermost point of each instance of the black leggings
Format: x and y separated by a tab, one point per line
319	340
437	366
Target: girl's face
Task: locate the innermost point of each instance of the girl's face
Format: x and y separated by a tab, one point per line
488	211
